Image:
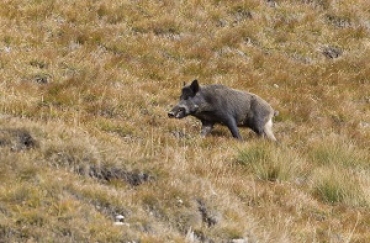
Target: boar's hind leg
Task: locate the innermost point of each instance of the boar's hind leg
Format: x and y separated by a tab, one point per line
267	130
263	128
206	128
258	126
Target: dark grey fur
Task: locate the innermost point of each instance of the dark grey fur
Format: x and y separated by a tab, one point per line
216	103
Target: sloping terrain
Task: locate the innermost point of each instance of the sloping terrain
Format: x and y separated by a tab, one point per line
85	87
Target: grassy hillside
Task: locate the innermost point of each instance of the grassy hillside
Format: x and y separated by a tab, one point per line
85	87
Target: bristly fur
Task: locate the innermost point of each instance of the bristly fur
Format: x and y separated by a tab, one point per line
216	103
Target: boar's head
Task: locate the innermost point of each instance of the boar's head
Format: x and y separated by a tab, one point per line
188	102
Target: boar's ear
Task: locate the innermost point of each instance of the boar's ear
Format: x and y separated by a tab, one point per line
194	86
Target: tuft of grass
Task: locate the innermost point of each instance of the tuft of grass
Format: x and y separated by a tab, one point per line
255	154
270	163
334	187
339	154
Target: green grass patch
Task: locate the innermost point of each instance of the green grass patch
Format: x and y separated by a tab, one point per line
270	163
338	187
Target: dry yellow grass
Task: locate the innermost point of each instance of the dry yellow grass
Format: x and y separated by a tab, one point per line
85	87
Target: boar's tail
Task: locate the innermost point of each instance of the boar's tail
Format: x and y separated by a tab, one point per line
276	113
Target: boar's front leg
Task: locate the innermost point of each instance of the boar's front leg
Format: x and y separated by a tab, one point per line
207	127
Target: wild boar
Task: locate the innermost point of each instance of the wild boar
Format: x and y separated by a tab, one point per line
218	104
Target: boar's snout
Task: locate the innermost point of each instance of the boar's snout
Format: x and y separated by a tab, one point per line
177	112
171	114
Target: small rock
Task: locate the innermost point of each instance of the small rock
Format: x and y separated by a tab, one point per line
272	3
179	201
119	221
41	79
120	218
190	236
222	23
178	134
364	124
332	52
17	139
239	241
